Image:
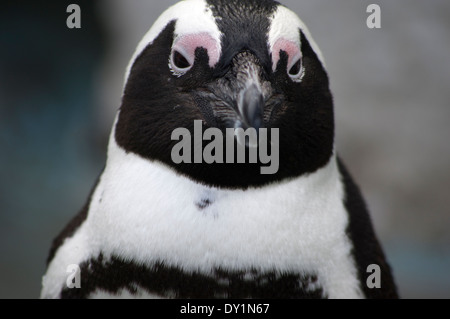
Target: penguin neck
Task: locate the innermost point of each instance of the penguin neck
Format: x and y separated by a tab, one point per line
115	157
262	167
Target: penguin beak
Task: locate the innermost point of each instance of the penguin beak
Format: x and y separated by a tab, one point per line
237	99
250	108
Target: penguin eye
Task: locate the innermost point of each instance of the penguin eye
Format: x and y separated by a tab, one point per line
296	71
179	61
296	68
182	57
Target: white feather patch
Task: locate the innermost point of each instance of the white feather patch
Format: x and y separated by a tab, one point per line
73	251
286	25
124	294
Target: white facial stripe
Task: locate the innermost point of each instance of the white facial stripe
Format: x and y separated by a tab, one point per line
285	25
187	44
290	47
192	17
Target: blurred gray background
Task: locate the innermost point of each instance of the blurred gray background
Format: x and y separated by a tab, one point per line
60	89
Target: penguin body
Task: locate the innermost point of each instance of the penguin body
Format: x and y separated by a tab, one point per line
155	229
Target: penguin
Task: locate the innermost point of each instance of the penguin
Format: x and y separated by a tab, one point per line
156	227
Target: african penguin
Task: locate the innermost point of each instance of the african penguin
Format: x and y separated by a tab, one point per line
157	228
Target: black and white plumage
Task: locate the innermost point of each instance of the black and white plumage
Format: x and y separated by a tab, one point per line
152	228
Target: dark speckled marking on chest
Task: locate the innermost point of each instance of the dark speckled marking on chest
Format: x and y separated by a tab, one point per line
203	203
206	199
114	275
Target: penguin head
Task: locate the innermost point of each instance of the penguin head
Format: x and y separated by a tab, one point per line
229	64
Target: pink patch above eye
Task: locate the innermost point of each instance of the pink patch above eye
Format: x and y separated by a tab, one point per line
187	44
290	47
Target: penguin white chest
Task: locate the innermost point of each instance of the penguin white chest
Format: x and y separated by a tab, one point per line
144	211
